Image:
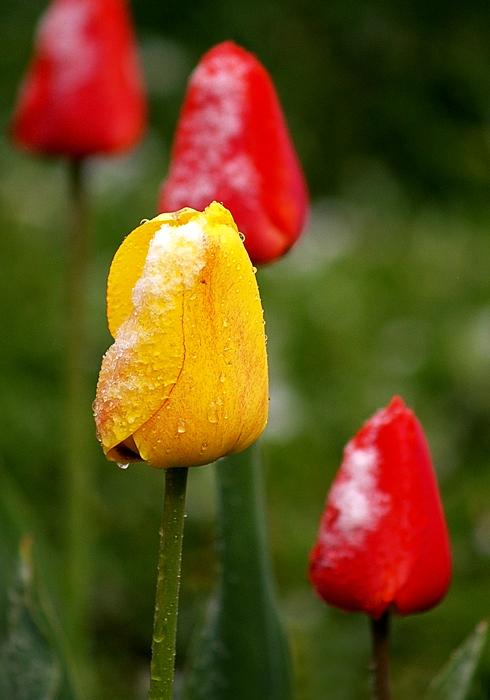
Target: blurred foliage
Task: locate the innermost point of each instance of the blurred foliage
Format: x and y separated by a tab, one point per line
388	292
30	668
453	682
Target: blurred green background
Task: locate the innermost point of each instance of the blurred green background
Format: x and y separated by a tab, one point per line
388	292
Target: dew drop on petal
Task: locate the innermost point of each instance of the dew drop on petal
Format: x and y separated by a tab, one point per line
122	466
212	413
181	426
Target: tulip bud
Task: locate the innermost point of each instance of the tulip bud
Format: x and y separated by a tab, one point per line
383	542
232	145
83	92
186	380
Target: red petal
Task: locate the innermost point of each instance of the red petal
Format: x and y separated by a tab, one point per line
83	91
383	540
232	145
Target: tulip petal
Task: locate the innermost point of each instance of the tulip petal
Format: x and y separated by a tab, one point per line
128	263
382	541
186	380
232	144
83	91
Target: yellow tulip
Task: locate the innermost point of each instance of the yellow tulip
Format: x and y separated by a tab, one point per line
185	381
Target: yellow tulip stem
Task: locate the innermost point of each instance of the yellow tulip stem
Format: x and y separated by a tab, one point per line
78	417
380	663
168	584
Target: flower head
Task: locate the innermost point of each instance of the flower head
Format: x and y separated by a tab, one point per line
383	542
232	145
186	380
83	91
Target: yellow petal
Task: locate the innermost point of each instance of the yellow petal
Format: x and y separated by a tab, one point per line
128	263
186	380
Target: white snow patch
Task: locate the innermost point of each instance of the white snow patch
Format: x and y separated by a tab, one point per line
63	35
210	159
357	498
175	257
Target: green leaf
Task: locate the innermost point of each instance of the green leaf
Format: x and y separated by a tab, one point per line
243	652
29	666
454	680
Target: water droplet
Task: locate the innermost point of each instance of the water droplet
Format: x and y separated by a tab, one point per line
222	377
122	466
181	426
238	267
192	297
144	221
242	237
225	322
212	413
204	446
254	270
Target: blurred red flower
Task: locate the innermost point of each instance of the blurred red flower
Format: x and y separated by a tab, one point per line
83	91
232	145
383	542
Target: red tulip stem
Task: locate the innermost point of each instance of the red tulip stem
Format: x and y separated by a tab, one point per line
78	415
168	585
380	629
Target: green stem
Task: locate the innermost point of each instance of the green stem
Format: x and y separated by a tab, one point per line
380	664
243	652
78	417
168	584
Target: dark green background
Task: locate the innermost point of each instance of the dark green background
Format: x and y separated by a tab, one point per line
388	292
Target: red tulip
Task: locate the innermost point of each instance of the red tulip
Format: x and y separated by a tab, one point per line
83	91
232	145
383	542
